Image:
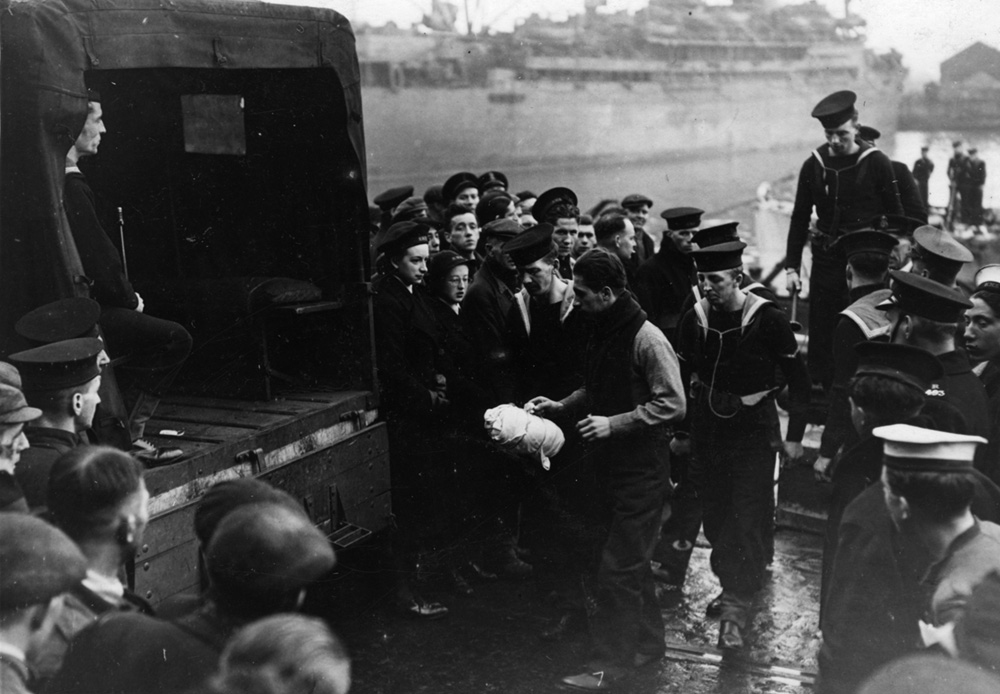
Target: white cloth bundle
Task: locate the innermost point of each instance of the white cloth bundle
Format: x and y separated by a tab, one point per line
514	428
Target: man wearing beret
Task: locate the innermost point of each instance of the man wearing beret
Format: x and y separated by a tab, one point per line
39	565
495	310
731	345
665	280
62	380
156	348
631	392
926	314
552	361
867	254
260	561
638	207
846	182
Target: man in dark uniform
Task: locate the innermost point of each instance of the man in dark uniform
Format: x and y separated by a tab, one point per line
957	177
493	180
260	560
62	379
847	182
887	387
666	279
462	189
906	184
925	314
632	389
558	207
387	201
39	565
731	345
156	348
638	207
922	170
975	180
867	254
552	364
495	311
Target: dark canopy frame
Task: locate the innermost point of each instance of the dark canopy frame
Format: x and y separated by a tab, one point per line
54	49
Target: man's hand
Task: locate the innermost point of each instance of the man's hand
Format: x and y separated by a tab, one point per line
141	305
793	452
680	447
593	428
792	281
821	469
438	400
543	407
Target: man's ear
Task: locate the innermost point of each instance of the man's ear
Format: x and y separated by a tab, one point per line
77	404
849	273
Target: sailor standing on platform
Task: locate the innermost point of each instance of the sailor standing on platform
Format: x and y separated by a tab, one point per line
730	346
847	182
922	170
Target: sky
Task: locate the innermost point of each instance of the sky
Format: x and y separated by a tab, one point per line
924	31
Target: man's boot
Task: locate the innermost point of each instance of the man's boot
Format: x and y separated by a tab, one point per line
142	412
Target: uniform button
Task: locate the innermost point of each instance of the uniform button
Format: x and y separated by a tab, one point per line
145	567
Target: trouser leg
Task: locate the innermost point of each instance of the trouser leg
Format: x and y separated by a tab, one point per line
828	296
628	620
680	531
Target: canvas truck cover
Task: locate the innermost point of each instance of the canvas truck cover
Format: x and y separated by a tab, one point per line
47	46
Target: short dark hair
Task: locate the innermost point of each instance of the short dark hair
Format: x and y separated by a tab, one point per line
53	402
940	496
561	210
870	265
607	226
991	297
597	268
932	330
452	212
586	219
87	485
888	401
614	210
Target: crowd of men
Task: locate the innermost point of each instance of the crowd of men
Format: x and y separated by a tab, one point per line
662	366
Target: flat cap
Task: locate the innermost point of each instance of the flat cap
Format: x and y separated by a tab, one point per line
532	245
866	241
39	562
433	194
503	228
973	150
14	408
59	365
403	235
716	234
987	277
60	320
262	550
941	244
223	497
868	133
525	195
906	447
559	195
492	179
835	109
904	363
680	218
635	200
724	256
920	296
442	263
896	224
392	197
956	143
457	183
9	375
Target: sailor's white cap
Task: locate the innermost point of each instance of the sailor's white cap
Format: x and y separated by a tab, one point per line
988	277
906	447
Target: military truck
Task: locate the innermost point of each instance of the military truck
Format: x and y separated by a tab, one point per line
233	178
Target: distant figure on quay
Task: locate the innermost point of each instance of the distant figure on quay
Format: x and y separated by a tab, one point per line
922	170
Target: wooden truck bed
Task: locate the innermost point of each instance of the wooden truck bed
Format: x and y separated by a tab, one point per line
323	447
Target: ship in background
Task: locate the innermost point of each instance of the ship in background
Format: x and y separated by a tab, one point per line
677	79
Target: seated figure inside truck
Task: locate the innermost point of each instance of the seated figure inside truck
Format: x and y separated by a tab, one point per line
155	348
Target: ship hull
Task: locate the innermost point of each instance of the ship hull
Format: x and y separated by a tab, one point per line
432	130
